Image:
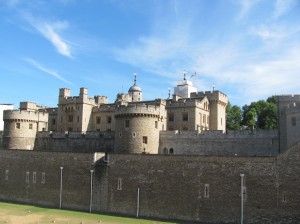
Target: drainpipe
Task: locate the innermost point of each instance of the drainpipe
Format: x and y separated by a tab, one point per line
60	192
91	198
138	203
242	198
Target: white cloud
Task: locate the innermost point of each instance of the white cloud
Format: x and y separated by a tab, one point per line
46	70
62	47
283	6
246	6
51	32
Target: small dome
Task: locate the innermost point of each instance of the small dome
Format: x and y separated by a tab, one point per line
134	88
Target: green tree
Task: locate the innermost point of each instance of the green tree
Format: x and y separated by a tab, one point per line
250	118
233	117
261	114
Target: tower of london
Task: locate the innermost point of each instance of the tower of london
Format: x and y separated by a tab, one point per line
166	158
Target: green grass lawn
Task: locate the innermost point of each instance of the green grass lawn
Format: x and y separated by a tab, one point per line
27	214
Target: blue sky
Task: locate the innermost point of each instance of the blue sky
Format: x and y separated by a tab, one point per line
250	49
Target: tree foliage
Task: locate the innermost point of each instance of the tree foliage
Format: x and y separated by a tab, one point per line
258	115
233	117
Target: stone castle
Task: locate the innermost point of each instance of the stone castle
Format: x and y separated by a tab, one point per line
167	158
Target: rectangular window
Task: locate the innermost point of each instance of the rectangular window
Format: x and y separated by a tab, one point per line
200	118
185	116
294	121
43	178
126	123
18	125
171	116
283	197
145	139
98	120
206	190
77	119
204	119
53	121
30	126
27	177
6	174
109	119
34	177
156	124
119	184
70	118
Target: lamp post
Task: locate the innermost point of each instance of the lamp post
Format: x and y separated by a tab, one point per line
91	197
60	191
138	203
242	197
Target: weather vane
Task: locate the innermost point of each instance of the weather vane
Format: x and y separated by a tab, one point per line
184	74
135	75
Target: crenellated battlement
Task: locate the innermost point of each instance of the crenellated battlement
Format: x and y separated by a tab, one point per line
211	95
189	102
138	109
220	134
19	115
289	98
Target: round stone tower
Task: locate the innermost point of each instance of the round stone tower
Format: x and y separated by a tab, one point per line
21	126
137	128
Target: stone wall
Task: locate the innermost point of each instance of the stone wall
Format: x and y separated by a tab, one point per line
34	178
204	189
232	143
75	141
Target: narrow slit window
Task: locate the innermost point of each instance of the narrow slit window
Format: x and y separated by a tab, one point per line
206	190
34	177
119	184
27	177
6	174
43	178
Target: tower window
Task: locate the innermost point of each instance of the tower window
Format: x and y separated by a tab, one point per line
30	126
98	120
70	118
109	119
171	116
18	125
145	139
156	124
294	121
53	121
127	123
185	116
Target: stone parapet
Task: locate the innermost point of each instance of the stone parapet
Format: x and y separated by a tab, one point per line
23	115
138	109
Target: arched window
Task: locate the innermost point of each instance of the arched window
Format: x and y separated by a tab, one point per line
171	151
165	150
